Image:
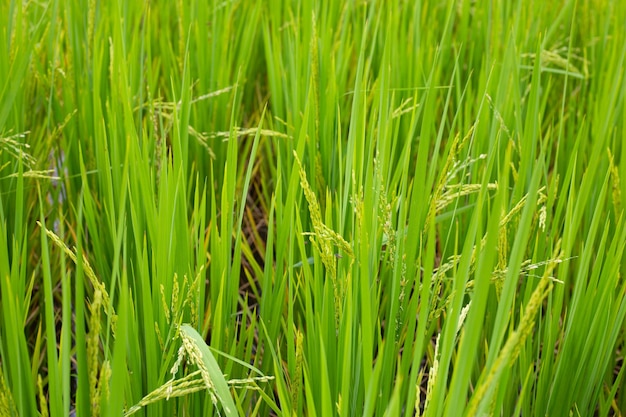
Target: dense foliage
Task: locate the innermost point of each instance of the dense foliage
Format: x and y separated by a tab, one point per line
323	208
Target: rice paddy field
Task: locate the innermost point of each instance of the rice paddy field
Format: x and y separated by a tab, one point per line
312	208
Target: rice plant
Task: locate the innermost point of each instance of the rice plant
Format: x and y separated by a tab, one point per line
353	208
